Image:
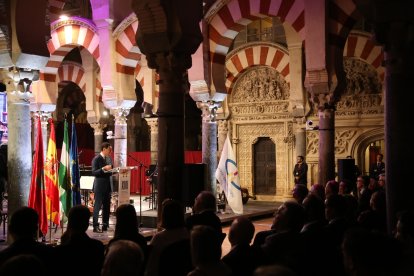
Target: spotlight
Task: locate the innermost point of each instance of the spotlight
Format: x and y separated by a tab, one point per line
311	126
109	135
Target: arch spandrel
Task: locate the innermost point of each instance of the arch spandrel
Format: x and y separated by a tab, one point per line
227	18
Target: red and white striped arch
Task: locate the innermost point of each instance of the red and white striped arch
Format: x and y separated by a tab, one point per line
271	55
342	17
230	19
67	35
139	75
72	72
99	89
128	54
359	45
75	73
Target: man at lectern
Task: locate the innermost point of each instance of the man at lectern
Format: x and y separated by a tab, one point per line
101	169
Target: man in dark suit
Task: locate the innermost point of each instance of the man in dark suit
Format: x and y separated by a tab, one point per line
300	172
377	168
101	169
204	213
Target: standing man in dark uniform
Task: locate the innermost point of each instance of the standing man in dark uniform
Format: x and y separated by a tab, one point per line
377	168
101	169
300	172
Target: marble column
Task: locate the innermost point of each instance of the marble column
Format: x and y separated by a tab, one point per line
326	144
399	60
300	137
222	134
153	124
45	116
209	143
98	135
33	122
120	137
19	150
173	85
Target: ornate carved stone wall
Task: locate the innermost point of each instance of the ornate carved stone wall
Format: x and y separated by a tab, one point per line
247	136
260	84
361	78
358	110
259	108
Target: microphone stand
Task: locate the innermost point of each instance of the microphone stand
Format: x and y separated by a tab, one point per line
140	165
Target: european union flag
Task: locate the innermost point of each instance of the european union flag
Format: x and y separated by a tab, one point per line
74	166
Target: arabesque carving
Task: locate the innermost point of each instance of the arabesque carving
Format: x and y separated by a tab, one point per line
343	138
361	78
312	147
260	84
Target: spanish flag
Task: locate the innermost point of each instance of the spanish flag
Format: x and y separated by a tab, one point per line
37	196
51	178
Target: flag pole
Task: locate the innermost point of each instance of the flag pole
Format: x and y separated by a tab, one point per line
50	223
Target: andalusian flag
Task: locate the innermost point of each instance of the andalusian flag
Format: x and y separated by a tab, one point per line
65	192
228	177
51	181
74	166
37	196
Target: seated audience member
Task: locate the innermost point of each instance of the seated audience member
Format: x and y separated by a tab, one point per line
335	211
299	192
381	182
405	235
172	220
364	194
23	230
318	190
23	264
204	213
243	259
89	252
126	227
375	219
373	184
285	246
315	214
344	187
206	252
370	254
273	270
123	257
331	188
313	236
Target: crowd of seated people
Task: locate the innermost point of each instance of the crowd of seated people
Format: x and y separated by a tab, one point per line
326	230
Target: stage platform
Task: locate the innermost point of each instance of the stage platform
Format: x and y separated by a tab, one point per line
252	209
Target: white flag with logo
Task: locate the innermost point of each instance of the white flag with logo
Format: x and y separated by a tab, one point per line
228	177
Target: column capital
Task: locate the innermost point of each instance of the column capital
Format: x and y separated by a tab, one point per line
316	83
17	97
120	114
98	128
152	123
209	109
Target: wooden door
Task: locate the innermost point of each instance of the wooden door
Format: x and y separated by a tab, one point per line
264	167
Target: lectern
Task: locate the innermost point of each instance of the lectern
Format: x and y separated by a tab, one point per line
124	184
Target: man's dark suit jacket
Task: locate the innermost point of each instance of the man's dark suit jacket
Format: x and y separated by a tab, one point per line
102	182
301	172
375	170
